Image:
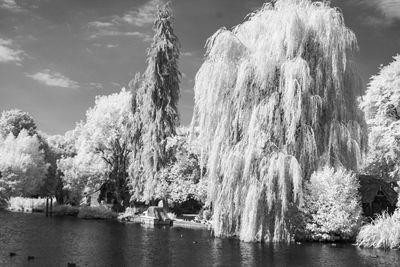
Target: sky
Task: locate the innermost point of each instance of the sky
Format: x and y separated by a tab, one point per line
57	55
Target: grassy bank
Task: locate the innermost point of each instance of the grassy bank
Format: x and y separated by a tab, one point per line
21	204
382	232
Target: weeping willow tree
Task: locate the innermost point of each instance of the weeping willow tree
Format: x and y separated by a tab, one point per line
156	96
275	100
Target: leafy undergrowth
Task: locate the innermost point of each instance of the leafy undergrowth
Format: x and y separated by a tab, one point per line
382	232
96	213
65	210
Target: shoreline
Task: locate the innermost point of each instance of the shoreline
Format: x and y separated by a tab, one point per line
178	223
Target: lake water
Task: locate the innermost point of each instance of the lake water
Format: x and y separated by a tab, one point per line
57	241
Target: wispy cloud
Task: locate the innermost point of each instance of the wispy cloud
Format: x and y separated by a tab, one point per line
96	85
55	79
186	54
100	24
112	45
121	25
115	84
106	45
388	11
390	8
10	5
8	53
113	32
143	15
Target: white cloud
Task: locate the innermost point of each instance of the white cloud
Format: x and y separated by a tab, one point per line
96	85
55	79
10	5
8	53
145	14
186	54
100	24
390	8
116	84
109	32
106	45
388	11
118	25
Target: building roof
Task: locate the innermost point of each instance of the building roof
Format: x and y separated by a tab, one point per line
369	187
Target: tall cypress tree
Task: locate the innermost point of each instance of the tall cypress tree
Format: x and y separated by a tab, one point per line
155	107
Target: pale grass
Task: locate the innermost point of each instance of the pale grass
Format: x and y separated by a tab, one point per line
382	232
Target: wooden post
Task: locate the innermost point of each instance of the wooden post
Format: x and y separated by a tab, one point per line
47	206
51	206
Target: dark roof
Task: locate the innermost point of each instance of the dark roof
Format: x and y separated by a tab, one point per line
369	187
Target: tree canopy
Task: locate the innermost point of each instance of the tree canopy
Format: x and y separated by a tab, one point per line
381	105
102	147
22	165
275	99
14	121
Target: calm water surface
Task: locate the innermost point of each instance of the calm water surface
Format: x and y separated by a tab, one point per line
57	241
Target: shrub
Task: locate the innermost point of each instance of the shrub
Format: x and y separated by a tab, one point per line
100	212
65	210
332	205
382	232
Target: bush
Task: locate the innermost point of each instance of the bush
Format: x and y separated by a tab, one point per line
100	212
332	205
382	232
65	210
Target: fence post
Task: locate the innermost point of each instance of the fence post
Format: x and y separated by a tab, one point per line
47	206
51	206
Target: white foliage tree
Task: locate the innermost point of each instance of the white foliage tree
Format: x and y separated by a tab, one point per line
333	205
14	121
381	105
103	145
22	165
275	99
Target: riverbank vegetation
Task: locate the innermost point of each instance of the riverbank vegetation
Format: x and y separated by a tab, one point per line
277	140
382	232
99	212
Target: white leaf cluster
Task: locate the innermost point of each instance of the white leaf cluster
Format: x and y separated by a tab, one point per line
333	204
22	164
97	142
